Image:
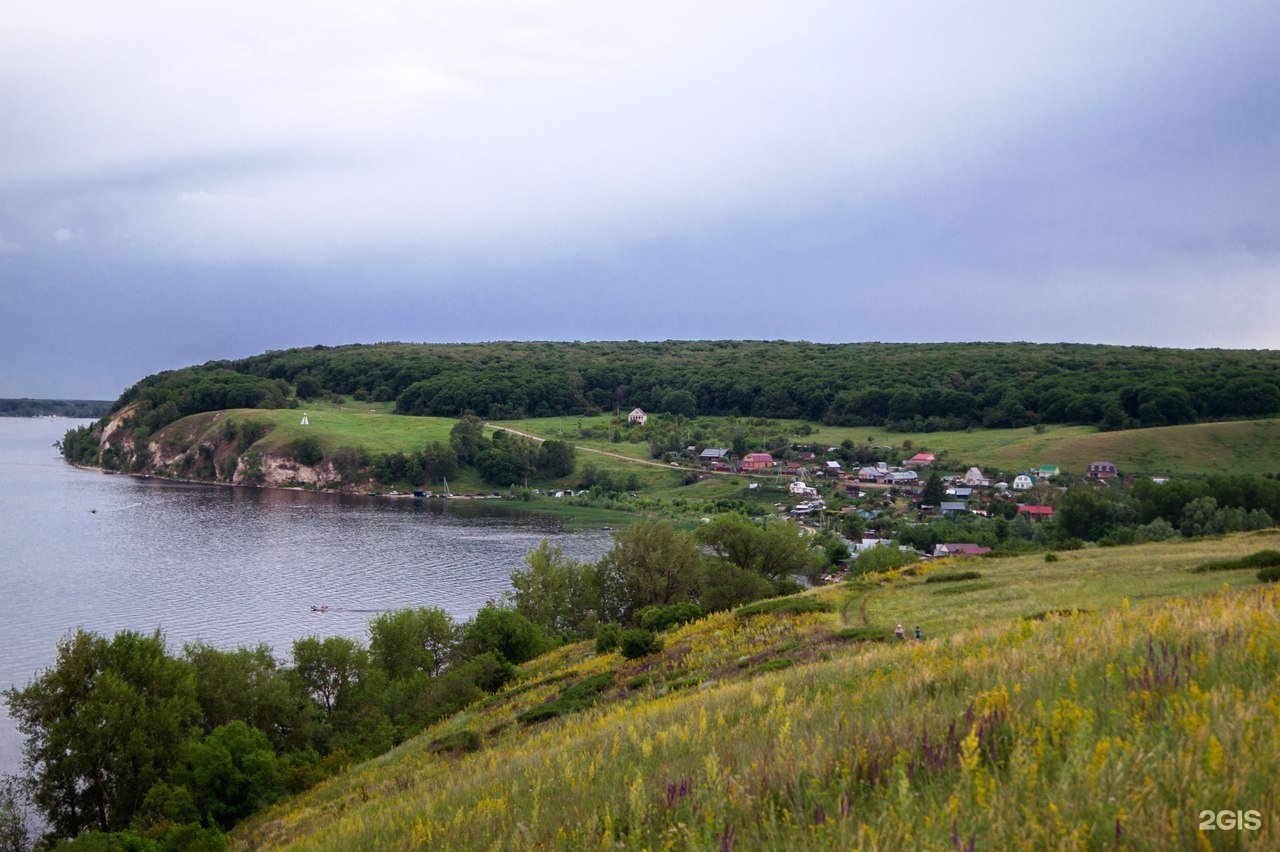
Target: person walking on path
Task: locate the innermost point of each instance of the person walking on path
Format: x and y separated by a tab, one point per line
899	632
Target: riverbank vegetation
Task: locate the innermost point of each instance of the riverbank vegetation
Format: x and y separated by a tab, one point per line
1113	694
125	738
613	665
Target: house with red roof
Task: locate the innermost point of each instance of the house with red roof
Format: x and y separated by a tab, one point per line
1035	513
756	461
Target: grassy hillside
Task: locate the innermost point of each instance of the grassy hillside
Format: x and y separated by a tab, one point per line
1251	446
1104	699
372	426
1238	447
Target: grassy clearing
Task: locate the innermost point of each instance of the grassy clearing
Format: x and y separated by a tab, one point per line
371	426
1115	726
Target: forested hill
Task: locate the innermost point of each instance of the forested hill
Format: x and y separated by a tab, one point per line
53	407
901	386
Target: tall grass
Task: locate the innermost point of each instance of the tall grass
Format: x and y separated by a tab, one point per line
1114	727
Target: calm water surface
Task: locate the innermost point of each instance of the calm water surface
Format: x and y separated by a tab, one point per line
229	566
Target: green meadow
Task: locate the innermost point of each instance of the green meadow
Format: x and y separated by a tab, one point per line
371	426
1108	699
1234	447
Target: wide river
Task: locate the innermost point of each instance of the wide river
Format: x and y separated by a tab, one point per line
230	566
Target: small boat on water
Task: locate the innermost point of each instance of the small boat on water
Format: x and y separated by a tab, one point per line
320	608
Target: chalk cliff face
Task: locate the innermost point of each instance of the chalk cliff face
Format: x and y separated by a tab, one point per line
282	471
200	448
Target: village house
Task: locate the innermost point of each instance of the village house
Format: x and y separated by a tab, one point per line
1035	513
637	417
1023	482
873	474
975	478
919	460
755	461
799	489
711	455
1101	470
902	477
1047	471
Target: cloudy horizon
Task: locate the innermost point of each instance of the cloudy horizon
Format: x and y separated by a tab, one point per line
185	183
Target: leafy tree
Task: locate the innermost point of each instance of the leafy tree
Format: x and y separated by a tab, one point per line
680	402
778	549
1082	513
935	491
504	632
507	463
882	557
103	725
1202	517
408	641
330	669
467	439
649	564
307	388
852	526
245	684
14	836
231	773
439	462
723	585
556	458
556	592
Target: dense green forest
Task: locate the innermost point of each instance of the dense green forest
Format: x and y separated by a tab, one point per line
907	387
53	407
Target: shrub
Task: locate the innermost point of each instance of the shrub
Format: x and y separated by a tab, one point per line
1261	559
639	643
658	618
953	577
608	637
1270	574
1050	556
588	687
545	711
306	450
772	666
457	742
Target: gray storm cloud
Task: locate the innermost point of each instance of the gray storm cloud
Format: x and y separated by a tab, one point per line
857	152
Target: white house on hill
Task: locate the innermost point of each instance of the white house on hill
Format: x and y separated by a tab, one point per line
637	417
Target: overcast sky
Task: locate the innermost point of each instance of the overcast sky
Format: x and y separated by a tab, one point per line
182	182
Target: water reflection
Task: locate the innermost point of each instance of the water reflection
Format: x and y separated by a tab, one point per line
229	566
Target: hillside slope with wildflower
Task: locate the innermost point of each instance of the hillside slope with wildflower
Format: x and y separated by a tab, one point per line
1108	698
